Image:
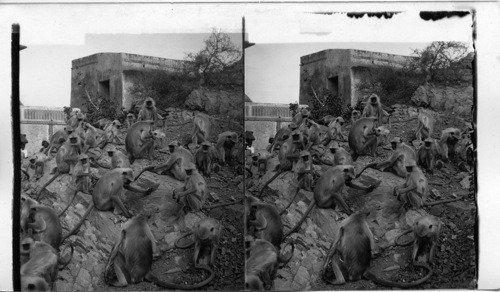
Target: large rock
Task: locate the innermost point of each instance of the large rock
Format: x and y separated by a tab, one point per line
216	102
448	98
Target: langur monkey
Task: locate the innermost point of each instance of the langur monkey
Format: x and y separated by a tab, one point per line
76	118
139	141
36	165
263	221
448	142
201	132
303	114
193	194
57	137
426	154
111	135
335	129
130	120
425	125
82	176
350	255
341	156
282	135
118	159
225	144
148	111
355	115
66	159
415	189
204	158
397	161
426	231
326	120
328	191
131	259
374	108
107	191
206	241
90	137
362	137
42	221
42	267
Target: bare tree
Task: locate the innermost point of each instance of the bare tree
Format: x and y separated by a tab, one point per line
218	54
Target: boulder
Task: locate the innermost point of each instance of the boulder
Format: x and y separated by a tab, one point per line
216	102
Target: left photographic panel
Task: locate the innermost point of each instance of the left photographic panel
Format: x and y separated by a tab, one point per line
132	150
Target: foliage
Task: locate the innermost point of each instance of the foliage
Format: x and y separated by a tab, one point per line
393	85
442	61
219	63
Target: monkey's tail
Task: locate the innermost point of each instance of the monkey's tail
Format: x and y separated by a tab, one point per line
396	241
368	274
69	204
152	278
428	204
269	181
77	227
177	245
222	205
46	184
66	263
144	170
283	261
404	121
309	209
371	165
291	201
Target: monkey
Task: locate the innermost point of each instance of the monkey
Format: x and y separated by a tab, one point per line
204	157
45	145
206	241
102	123
225	144
362	137
448	142
341	156
374	108
397	161
282	135
426	231
427	153
148	111
90	137
37	165
201	132
130	120
140	140
80	130
75	119
57	137
107	191
425	125
415	189
325	156
111	135
131	259
249	138
118	159
316	134
355	115
269	147
179	159
66	159
350	254
34	283
82	176
43	263
303	113
261	265
326	120
263	221
328	191
42	221
193	194
262	160
335	130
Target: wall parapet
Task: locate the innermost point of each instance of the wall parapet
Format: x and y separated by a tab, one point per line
268	111
40	114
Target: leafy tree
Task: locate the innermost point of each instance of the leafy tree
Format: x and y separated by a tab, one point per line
212	63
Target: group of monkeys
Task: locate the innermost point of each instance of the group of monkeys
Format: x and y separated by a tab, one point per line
305	142
78	148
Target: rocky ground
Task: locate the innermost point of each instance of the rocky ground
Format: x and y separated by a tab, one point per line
455	262
97	236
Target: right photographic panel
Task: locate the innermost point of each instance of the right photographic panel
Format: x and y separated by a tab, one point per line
361	150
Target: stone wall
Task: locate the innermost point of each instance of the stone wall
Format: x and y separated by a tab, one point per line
39	123
458	100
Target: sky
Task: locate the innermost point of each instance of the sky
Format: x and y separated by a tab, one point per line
45	78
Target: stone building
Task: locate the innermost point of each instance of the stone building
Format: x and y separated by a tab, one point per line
340	70
111	75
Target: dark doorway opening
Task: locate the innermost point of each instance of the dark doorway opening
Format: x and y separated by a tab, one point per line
104	88
333	85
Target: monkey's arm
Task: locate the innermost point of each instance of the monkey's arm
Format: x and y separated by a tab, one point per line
411	187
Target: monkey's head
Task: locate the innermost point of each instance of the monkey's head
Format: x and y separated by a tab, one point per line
396	142
173	146
428	143
355	113
26	245
24	141
454	136
205	146
381	131
73	140
410	165
126	176
45	144
33	283
26	203
32	160
255	156
271	140
230	141
149	102
80	117
158	134
253	282
293	126
305	112
305	155
69	130
374	99
207	230
296	136
425	226
249	137
111	151
190	168
130	117
117	123
340	121
348	171
84	158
